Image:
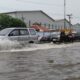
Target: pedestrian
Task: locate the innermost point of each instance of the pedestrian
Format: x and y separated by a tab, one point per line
62	36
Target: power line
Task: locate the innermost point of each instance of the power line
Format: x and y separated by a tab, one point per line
39	3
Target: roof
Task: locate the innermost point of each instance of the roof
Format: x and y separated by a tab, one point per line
40	28
31	11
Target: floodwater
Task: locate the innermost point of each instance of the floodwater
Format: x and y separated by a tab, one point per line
39	61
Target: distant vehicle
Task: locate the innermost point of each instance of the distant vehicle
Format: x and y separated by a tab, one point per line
77	36
19	34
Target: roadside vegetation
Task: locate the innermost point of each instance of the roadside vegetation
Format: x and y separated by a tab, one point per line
7	21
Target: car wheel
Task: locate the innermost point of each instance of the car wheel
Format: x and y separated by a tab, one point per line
31	41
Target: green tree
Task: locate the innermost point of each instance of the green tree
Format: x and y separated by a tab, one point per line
7	21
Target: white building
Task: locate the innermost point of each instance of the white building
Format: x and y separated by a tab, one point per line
30	17
59	24
76	27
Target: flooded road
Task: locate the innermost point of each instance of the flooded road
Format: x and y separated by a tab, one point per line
41	62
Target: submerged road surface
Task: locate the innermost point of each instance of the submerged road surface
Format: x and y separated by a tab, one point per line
45	64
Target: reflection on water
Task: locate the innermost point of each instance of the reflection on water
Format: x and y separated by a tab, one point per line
50	64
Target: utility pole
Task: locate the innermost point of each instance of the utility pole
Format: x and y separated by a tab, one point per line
70	16
64	13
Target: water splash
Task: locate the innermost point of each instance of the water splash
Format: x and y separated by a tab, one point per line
8	45
17	46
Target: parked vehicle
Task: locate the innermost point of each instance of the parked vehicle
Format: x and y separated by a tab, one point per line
77	36
19	34
71	37
67	35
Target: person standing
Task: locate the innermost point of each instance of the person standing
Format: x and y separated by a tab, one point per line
62	36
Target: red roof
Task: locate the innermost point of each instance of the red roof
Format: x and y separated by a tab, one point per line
40	28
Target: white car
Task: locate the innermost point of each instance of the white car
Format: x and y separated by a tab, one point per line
19	34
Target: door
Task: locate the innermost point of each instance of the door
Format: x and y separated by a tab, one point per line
33	35
14	34
24	35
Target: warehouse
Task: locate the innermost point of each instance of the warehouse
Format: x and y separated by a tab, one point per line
31	17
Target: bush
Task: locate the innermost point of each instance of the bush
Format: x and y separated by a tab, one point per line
7	21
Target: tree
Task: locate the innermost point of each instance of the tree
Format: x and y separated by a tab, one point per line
7	21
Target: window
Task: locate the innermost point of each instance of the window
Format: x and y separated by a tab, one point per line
24	32
55	26
52	26
14	33
32	31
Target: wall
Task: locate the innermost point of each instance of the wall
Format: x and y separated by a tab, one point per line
31	17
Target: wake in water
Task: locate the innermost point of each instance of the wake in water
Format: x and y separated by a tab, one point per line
16	46
8	45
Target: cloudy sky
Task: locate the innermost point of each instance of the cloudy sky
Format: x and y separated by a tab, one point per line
54	8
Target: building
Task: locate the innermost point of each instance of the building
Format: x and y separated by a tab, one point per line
76	27
59	24
31	17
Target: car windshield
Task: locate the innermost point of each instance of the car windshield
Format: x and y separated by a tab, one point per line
4	32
